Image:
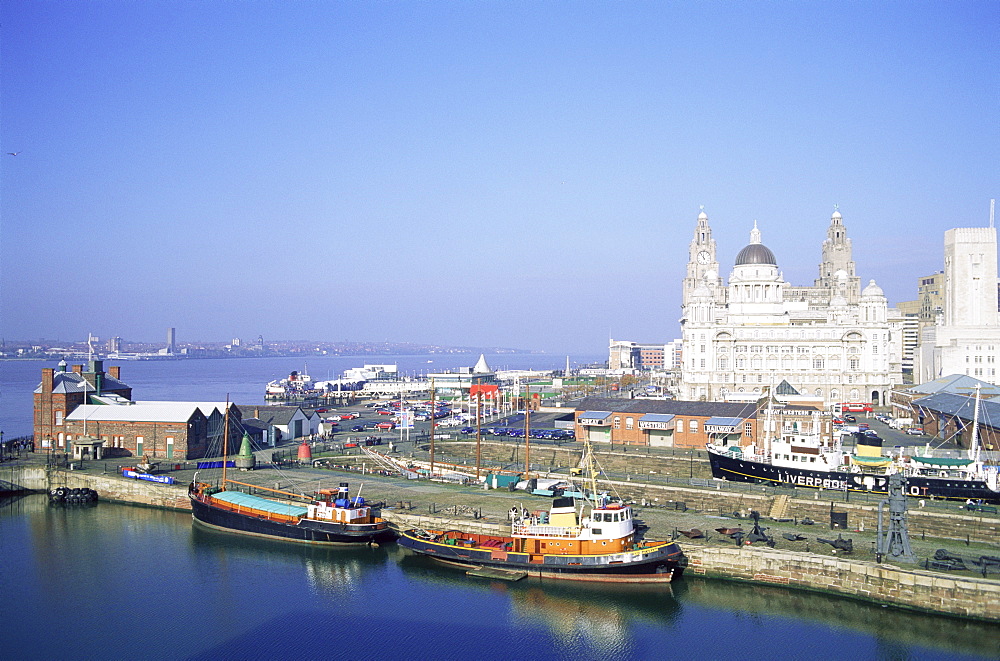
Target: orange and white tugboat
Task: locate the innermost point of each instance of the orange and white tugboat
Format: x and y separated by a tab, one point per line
596	541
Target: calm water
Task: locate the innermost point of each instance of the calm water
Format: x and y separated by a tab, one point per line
242	380
115	581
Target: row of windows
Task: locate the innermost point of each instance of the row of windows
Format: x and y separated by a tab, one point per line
679	425
786	349
722	363
111	441
611	517
794	457
826	334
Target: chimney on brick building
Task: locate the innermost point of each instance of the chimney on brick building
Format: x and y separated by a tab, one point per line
48	379
115	372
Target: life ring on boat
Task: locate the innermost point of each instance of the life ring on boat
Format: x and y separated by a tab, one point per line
613	506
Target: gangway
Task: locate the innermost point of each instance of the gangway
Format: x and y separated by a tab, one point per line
389	463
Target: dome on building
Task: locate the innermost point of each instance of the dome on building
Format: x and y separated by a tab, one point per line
872	290
836	215
756	253
838	301
703	215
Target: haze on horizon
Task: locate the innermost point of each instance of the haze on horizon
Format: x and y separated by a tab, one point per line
478	174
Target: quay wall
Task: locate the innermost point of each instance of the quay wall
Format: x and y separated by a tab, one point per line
125	490
404	521
876	583
112	487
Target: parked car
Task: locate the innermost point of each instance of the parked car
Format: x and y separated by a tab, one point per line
385	425
358	428
468	430
850	418
915	431
350	415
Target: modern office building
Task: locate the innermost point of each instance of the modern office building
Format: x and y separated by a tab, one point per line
966	336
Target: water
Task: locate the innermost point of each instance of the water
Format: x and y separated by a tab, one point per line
115	581
242	380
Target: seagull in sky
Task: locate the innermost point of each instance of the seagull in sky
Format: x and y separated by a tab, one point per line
13	153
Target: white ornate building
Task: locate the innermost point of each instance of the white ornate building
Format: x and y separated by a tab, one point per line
831	341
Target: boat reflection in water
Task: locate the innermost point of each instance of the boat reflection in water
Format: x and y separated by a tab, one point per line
594	620
328	570
896	631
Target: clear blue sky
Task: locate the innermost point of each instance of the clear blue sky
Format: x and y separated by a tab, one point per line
523	174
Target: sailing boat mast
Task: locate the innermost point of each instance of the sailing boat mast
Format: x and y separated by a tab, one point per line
769	425
433	420
225	443
527	428
974	451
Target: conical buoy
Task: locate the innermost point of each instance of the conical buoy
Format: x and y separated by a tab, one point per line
245	460
305	452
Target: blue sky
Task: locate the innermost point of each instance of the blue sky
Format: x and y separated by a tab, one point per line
471	173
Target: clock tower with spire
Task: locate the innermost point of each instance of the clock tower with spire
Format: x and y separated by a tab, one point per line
836	271
703	267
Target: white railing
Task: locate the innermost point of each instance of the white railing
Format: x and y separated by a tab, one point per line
534	530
